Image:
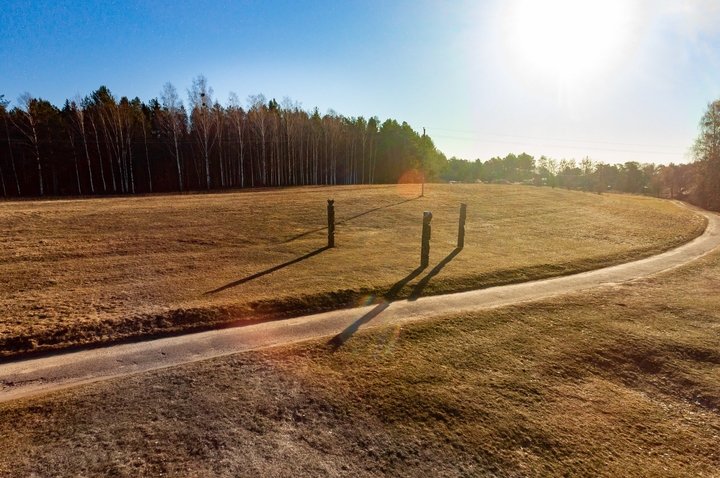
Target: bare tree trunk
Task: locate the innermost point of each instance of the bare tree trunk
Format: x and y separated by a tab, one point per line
77	169
89	164
37	159
242	161
130	165
100	160
171	122
147	158
220	126
32	136
12	156
252	170
123	156
108	144
362	157
79	115
2	181
177	160
206	157
264	160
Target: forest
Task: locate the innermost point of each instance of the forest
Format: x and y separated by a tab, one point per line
101	145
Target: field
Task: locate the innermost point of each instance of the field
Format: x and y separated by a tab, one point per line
94	271
619	381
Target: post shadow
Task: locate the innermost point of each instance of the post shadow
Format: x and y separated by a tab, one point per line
348	219
420	286
267	271
337	341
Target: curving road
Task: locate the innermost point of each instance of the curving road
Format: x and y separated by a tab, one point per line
41	375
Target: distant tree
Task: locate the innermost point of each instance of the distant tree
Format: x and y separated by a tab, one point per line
258	117
238	119
201	120
68	122
525	167
27	118
5	114
173	124
707	155
77	118
95	118
144	118
218	117
632	177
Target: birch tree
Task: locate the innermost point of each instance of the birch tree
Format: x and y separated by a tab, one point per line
173	123
26	120
707	154
77	118
257	114
4	111
238	120
201	121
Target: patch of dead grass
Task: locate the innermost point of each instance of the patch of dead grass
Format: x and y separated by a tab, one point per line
92	271
619	381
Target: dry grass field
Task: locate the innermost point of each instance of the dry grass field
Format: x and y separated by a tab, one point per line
91	271
619	381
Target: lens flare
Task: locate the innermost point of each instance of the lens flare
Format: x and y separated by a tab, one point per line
366	300
410	184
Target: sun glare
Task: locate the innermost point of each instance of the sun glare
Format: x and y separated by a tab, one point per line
568	39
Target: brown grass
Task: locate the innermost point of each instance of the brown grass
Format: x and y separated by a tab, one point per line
90	271
621	381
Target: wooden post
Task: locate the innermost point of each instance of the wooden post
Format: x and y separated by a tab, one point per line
461	226
425	246
331	222
422	189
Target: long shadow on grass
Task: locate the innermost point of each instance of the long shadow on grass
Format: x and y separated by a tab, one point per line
420	286
267	271
337	341
313	231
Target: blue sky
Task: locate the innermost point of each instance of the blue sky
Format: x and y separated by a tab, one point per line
616	81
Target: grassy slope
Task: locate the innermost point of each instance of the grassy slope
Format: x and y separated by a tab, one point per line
77	272
621	381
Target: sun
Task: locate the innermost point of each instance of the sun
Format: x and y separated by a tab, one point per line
567	39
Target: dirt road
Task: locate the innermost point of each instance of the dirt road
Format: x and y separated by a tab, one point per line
41	375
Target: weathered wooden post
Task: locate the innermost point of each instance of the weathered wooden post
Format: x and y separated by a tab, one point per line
461	226
425	247
331	222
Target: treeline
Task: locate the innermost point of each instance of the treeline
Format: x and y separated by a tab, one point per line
100	144
632	177
697	182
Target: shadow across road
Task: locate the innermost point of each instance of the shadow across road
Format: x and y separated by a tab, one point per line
337	341
267	271
420	286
